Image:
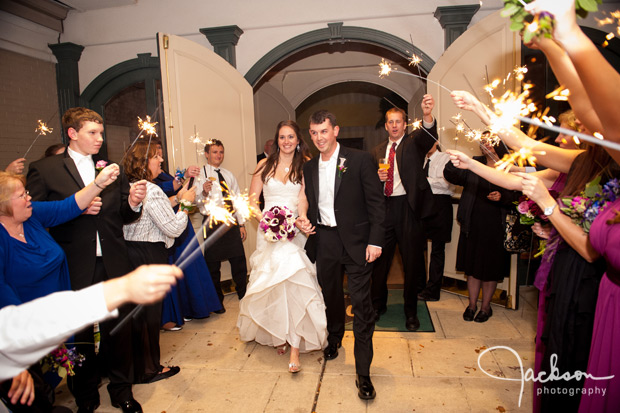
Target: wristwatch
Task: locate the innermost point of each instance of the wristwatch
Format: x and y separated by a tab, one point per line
549	210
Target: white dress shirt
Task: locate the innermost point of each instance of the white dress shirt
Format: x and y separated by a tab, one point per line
209	171
86	168
32	330
398	188
327	184
438	183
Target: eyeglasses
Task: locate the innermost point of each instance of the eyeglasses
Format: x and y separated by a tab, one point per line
25	195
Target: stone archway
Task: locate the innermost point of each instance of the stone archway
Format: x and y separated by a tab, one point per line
336	33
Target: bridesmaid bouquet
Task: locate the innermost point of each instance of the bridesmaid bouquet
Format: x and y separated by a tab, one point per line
529	211
62	361
584	208
278	224
542	23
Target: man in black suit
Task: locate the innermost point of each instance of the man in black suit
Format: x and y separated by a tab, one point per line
345	205
266	150
409	200
95	248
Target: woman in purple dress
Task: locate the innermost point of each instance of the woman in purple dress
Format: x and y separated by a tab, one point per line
604	361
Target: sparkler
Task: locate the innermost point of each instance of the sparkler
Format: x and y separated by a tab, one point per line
193	249
613	18
386	69
522	157
597	139
146	126
43	130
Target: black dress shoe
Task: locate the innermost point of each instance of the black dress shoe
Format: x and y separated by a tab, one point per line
222	311
88	409
379	312
163	375
331	351
129	406
412	323
469	314
483	316
426	296
366	390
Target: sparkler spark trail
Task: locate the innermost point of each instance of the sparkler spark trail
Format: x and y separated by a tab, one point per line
386	69
147	126
522	157
43	130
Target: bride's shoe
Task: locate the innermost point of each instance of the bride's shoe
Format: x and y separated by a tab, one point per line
294	368
282	349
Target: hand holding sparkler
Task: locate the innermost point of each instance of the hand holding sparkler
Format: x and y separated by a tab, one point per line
534	188
563	14
137	192
466	101
17	166
428	103
459	159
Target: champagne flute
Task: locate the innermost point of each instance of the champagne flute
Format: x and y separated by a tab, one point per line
384	164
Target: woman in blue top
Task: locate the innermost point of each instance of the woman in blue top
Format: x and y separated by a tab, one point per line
32	264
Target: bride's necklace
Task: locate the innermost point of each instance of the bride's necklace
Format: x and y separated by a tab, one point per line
287	168
7	230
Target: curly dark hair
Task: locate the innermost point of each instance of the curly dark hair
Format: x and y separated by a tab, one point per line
136	161
299	158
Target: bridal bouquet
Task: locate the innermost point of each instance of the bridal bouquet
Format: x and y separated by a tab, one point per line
529	211
278	224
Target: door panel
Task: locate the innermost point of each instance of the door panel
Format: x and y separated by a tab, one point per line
203	92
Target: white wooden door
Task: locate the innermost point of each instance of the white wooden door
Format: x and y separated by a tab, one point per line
487	47
202	92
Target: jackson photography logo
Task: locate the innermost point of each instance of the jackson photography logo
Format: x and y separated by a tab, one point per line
554	375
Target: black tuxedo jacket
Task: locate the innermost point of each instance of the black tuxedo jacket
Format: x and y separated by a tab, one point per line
56	178
410	161
359	204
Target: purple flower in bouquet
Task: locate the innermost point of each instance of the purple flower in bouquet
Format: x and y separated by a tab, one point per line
278	224
584	208
529	211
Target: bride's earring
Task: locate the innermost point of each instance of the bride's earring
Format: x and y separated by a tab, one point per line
297	147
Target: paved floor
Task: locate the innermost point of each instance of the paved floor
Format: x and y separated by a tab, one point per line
412	372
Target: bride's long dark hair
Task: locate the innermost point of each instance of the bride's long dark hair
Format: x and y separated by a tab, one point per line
302	154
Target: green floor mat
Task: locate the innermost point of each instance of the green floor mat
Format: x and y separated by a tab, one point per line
394	318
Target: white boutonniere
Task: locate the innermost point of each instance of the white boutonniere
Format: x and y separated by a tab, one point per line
341	168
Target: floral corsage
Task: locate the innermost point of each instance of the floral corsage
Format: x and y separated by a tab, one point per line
62	361
179	175
341	168
100	165
185	205
584	208
278	224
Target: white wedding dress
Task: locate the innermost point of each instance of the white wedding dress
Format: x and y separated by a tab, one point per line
283	302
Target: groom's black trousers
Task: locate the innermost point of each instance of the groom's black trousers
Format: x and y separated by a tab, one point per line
331	259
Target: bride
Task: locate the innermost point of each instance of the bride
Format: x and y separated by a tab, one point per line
283	304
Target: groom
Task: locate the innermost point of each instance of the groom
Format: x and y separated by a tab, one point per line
346	206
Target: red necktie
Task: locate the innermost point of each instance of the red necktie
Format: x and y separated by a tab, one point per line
389	184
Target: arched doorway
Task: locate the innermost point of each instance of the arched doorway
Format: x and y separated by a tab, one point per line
120	94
